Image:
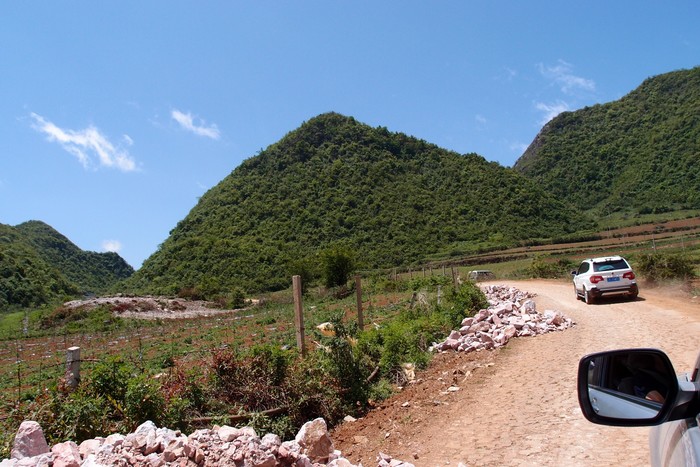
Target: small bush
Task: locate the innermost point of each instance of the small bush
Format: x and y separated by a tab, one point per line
312	392
143	401
346	365
463	302
660	266
432	281
110	378
236	298
252	379
337	264
79	416
541	268
306	270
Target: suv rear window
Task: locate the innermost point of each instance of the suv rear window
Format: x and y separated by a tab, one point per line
610	265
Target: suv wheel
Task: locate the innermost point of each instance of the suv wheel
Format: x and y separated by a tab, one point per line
587	297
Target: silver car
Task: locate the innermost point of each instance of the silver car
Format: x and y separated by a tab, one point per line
607	275
639	387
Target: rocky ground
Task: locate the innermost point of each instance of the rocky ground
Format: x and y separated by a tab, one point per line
149	307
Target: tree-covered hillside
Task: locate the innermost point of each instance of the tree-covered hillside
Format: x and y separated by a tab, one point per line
39	265
390	198
26	279
638	154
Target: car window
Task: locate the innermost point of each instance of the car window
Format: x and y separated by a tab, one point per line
583	268
610	265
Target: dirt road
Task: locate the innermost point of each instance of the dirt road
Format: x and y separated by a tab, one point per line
523	410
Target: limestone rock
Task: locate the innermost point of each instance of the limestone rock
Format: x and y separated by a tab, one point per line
315	440
29	441
511	313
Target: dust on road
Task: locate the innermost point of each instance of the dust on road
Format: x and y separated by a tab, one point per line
523	411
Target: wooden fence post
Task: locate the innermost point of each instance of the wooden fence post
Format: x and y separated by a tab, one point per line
299	314
73	367
358	291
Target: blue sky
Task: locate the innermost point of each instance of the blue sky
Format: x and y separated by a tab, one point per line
116	116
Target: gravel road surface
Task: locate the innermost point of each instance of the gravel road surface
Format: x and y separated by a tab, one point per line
523	410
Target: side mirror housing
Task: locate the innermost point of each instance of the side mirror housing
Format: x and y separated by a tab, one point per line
631	387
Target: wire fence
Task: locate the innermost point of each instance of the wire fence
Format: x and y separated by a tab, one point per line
29	365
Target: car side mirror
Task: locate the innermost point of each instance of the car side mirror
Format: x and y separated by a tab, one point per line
574	273
632	387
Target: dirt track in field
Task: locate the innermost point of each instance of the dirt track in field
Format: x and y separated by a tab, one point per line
518	405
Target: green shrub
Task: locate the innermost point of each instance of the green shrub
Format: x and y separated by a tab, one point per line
381	390
306	270
143	401
462	302
346	365
110	378
541	268
76	416
337	264
407	341
312	391
236	298
432	281
660	266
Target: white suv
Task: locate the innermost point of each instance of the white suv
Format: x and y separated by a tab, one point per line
605	275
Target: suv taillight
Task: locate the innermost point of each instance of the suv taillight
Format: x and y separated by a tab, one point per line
628	275
596	279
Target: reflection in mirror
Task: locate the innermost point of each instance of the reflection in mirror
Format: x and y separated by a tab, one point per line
632	384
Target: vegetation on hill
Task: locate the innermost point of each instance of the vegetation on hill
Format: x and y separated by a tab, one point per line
335	183
39	265
635	155
26	279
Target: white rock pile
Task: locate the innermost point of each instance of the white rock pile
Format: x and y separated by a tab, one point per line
511	313
150	446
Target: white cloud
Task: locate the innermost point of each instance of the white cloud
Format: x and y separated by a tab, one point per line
551	110
186	121
112	245
87	145
562	75
510	73
480	119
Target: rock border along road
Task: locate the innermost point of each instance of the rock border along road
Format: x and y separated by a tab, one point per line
523	411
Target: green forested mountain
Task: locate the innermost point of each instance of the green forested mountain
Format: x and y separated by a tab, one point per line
638	154
38	265
390	198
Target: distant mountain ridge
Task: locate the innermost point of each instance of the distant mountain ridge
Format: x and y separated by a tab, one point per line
39	265
639	154
391	198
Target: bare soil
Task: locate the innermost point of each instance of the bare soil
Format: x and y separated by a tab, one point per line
518	405
149	307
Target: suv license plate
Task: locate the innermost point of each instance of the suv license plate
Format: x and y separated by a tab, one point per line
613	279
